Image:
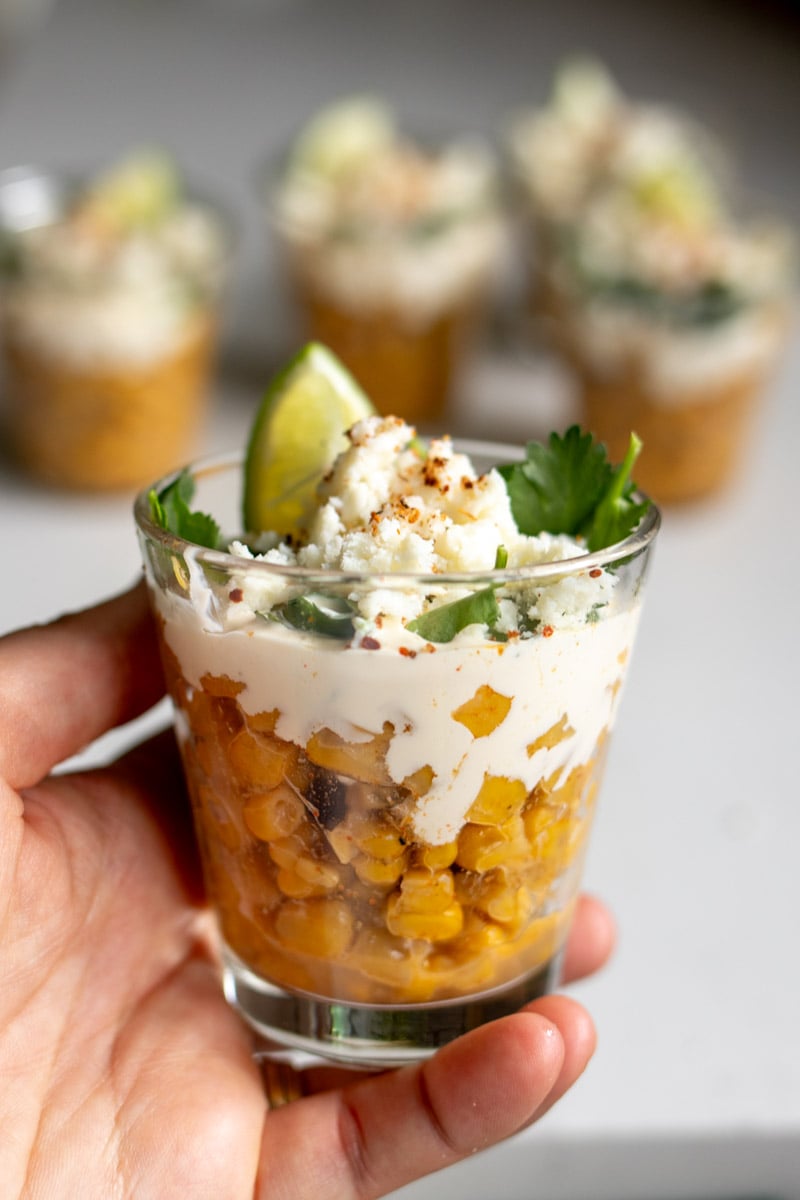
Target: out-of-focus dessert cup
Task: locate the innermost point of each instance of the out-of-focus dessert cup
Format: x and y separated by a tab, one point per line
392	831
392	247
668	298
111	287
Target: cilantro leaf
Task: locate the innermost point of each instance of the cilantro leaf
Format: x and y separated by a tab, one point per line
617	512
326	615
559	483
443	623
567	485
169	509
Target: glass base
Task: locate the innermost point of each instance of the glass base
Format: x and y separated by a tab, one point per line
361	1035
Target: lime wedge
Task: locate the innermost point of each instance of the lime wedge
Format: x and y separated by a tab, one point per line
140	190
298	431
343	136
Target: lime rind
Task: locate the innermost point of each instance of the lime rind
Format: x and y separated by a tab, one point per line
343	136
297	434
138	191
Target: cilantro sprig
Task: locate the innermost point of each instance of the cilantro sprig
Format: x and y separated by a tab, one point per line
567	485
170	509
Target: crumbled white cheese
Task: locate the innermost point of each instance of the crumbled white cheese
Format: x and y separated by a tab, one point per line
387	507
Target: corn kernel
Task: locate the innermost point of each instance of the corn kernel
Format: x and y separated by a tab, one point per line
221	685
342	843
438	926
380	874
552	736
484	847
358	760
274	814
378	840
437	857
426	891
263	722
256	761
321	927
419	782
497	801
297	888
380	956
484	712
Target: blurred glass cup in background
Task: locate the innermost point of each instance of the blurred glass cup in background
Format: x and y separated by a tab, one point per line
666	292
392	246
111	289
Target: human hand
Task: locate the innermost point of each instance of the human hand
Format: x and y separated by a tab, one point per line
125	1073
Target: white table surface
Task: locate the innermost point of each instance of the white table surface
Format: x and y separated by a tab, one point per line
695	1088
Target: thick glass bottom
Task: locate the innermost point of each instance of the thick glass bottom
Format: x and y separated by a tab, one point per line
361	1035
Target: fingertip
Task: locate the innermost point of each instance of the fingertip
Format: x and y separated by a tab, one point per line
505	1070
579	1039
592	938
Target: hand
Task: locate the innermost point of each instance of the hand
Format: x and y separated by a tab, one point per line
124	1071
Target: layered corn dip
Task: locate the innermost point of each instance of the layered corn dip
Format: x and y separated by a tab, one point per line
671	304
394	725
393	245
109	307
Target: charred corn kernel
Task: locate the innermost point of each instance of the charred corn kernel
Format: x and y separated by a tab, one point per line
484	847
419	783
380	874
426	891
296	887
321	927
256	761
274	814
364	798
437	857
552	736
497	801
264	722
431	926
484	712
358	760
342	843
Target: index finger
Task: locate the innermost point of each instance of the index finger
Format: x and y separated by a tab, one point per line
64	684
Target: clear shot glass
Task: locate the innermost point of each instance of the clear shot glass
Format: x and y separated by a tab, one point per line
392	834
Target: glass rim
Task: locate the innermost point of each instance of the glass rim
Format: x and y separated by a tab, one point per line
636	541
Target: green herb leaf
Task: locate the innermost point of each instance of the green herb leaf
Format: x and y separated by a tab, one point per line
328	616
558	486
170	510
617	513
443	623
568	486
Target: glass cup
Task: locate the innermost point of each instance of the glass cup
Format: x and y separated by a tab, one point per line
401	303
392	837
105	379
